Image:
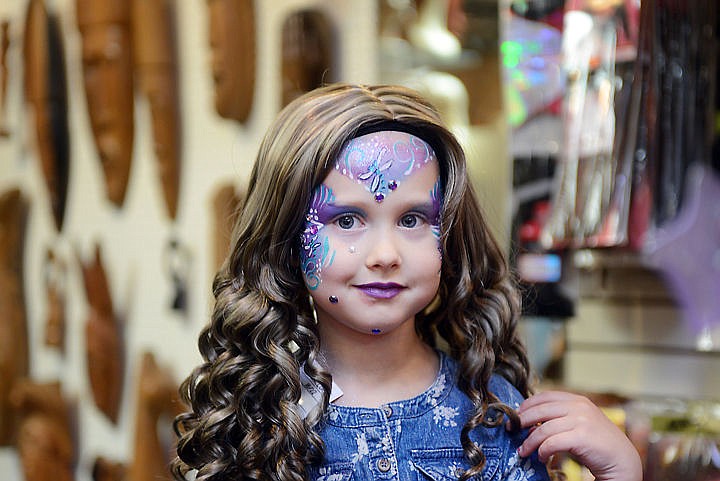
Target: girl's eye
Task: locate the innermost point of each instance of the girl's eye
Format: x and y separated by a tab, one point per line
345	222
409	221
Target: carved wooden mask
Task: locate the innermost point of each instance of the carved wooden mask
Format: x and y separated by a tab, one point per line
232	46
108	76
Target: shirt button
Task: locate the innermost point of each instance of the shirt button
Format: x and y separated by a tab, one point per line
383	465
387	410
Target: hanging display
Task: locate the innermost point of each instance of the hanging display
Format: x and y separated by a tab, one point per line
45	435
686	250
55	274
227	204
13	321
307	53
627	152
45	94
104	339
157	399
108	77
106	470
176	260
233	59
4	73
156	70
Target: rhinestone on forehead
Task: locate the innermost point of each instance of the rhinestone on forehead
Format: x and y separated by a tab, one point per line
382	160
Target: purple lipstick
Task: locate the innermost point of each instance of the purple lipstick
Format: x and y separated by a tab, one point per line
381	290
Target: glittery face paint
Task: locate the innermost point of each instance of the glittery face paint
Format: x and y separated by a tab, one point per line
370	246
315	250
382	160
436	197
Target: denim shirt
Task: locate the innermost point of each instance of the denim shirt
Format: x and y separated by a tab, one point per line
419	438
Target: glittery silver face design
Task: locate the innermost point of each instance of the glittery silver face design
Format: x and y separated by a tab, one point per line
382	160
379	161
314	245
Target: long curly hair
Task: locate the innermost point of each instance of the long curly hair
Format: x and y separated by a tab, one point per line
244	421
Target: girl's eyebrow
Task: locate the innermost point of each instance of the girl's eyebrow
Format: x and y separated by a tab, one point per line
424	207
329	210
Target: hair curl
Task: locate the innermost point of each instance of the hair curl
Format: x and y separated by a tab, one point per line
244	421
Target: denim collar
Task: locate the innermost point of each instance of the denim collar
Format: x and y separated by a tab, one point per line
347	416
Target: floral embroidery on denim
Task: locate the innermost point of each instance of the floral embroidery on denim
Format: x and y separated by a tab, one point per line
519	469
325	477
436	390
455	470
362	447
445	416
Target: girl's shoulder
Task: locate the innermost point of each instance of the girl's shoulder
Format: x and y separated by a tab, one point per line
505	391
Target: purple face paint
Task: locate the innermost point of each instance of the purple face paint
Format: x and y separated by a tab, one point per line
314	245
382	160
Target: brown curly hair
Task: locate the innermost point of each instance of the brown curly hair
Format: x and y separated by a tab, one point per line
244	421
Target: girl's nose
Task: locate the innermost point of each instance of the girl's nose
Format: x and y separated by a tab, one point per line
384	253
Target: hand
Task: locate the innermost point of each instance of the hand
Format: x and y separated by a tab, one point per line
562	422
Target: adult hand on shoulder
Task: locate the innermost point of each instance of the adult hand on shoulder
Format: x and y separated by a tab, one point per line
562	422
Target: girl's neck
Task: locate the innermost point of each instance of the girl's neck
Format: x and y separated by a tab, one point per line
376	370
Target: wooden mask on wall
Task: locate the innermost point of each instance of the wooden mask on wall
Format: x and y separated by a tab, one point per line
232	46
306	53
156	69
4	73
45	436
46	95
108	75
156	398
227	204
13	323
104	340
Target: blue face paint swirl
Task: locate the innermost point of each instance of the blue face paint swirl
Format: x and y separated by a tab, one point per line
314	246
382	160
436	196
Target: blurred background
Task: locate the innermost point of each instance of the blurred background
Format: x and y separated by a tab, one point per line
128	129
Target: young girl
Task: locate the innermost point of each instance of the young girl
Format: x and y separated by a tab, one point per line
365	320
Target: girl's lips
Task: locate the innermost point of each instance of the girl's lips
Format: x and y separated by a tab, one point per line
381	290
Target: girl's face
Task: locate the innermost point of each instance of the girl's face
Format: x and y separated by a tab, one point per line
370	250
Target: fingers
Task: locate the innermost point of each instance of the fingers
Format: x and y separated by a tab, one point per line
548	438
550	396
553	405
564	422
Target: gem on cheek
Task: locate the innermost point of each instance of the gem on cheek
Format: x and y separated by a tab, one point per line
376	331
333	300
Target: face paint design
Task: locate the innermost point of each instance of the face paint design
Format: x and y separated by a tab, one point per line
382	160
436	196
314	246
